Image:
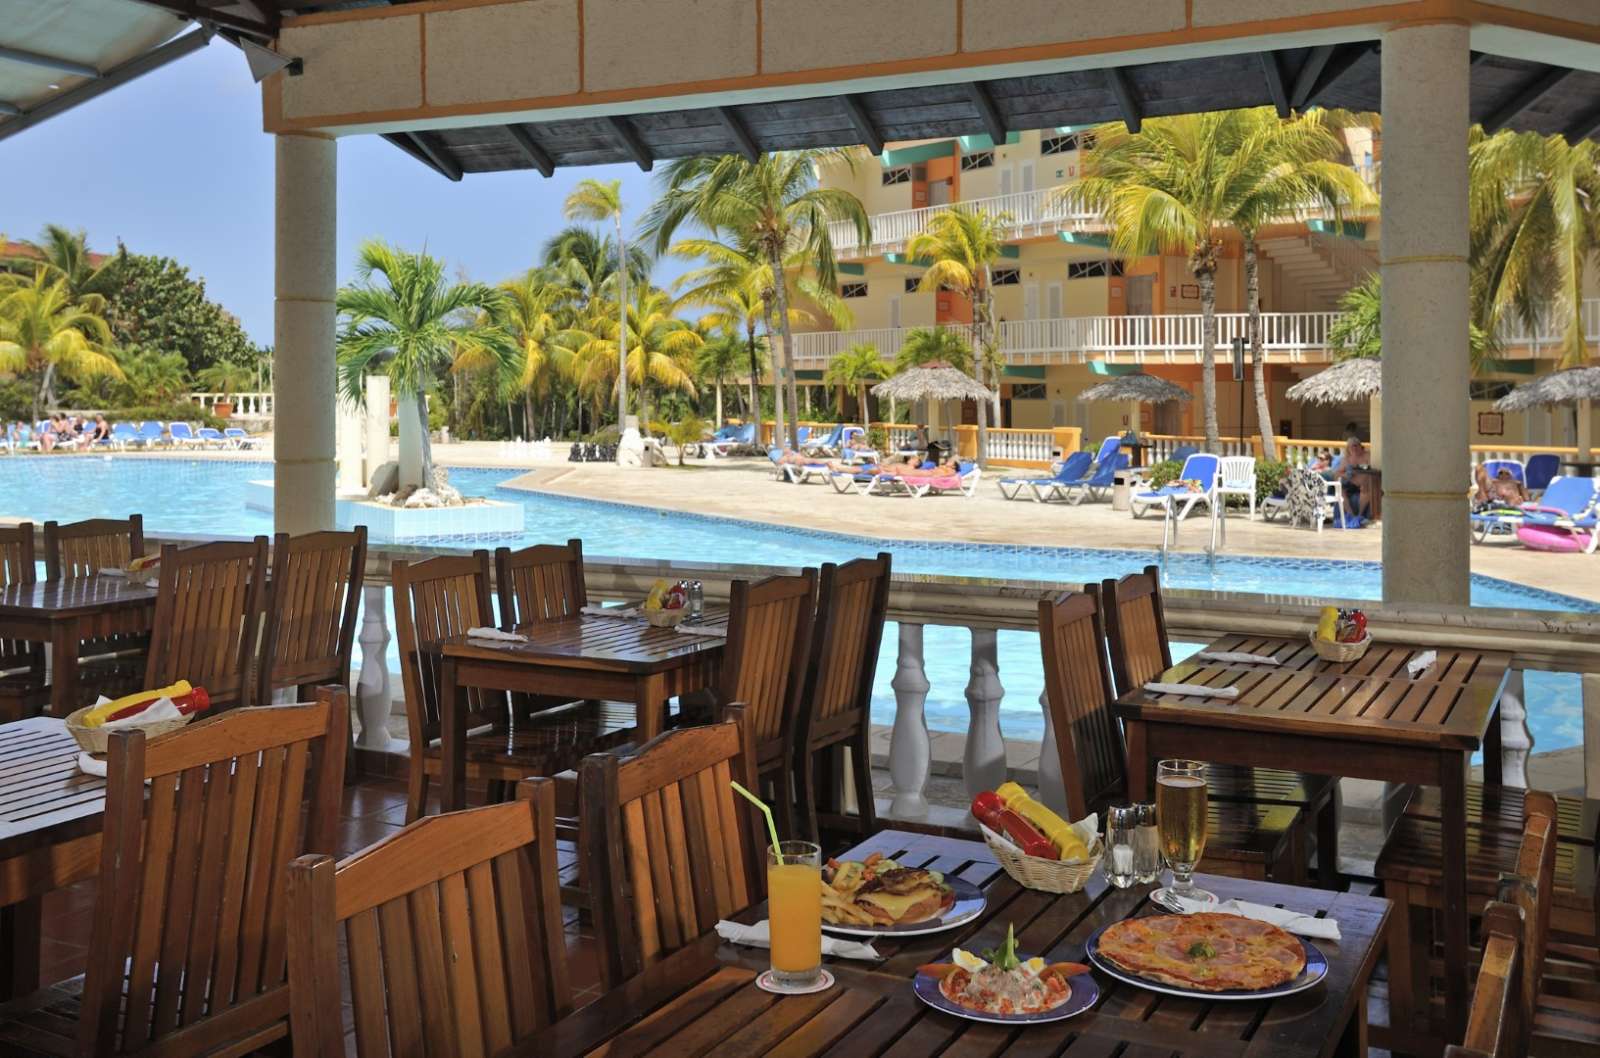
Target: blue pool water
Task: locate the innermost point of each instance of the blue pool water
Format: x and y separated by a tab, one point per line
206	498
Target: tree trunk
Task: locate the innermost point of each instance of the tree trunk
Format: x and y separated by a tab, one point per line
866	424
719	402
780	290
1208	356
753	409
420	403
46	395
622	329
1258	359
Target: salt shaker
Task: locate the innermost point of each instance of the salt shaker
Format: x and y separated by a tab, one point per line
697	600
1121	852
1146	844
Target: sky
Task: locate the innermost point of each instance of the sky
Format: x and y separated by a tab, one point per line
175	164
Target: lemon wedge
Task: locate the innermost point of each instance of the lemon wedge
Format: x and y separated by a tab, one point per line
1034	965
967	961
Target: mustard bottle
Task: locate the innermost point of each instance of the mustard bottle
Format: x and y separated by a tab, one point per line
1052	826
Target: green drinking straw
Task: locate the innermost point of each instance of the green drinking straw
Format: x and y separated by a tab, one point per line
772	828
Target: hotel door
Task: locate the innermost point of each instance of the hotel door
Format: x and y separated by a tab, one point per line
1141	295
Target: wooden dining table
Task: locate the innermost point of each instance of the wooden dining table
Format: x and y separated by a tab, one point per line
1366	719
588	656
703	999
68	612
50	817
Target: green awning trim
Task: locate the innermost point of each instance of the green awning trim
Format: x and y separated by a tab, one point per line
973	144
902	259
922	152
1036	374
850	268
1011	251
1350	229
808	376
1100	367
1078	238
1508	367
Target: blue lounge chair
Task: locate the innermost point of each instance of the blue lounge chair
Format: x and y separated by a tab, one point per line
1519	473
1070	469
1541	470
827	443
123	434
1094	486
238	437
1568	503
741	437
1181	499
1182	453
182	434
210	435
797	473
150	434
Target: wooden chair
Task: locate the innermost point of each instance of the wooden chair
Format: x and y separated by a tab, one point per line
764	666
1495	1028
673	850
24	688
453	928
312	597
444	597
208	619
540	583
1244	840
836	705
81	549
1136	633
188	946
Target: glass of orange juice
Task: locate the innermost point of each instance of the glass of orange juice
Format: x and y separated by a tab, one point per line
794	909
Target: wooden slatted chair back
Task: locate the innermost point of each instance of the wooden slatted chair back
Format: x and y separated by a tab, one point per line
1494	1024
1532	889
80	549
1136	628
434	600
851	603
17	565
453	929
22	671
671	849
540	583
312	599
769	640
1078	690
207	624
189	940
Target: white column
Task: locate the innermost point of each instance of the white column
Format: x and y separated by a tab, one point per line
1052	788
984	762
1424	269
373	695
377	452
303	334
910	749
351	425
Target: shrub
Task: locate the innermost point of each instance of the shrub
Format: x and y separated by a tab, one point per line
1270	474
1164	473
182	411
878	439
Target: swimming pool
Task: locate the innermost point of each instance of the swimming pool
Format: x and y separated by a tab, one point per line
206	497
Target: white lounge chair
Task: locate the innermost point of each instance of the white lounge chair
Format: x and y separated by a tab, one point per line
1237	477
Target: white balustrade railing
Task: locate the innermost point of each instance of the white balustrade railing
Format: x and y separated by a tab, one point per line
901	436
1036	212
1021	446
245	405
1164	446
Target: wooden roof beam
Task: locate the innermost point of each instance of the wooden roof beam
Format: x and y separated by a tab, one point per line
1127	102
1275	84
413	144
532	151
862	122
984	103
744	144
1526	96
1310	70
260	29
1336	67
628	136
1584	128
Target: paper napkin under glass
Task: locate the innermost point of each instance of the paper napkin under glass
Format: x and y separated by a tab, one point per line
1194	689
626	612
759	936
710	631
496	634
1421	663
1238	657
1293	921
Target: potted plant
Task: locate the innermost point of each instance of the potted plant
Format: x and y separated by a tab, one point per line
226	379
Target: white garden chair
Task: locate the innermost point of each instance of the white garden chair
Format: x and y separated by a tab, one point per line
1237	477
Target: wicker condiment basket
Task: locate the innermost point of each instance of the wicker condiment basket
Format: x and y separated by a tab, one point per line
98	739
1049	876
1341	653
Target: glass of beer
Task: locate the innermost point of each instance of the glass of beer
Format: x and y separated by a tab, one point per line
794	910
1181	827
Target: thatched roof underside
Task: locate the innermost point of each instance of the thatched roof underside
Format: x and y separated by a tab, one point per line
932	382
1560	387
1146	389
1346	382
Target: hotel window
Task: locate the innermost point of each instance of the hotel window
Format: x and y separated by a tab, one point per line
1093	269
852	290
1007	277
980	160
913	284
1028	391
1070	141
900	174
1489	390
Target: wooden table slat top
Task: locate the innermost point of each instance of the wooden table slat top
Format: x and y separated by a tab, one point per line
72	596
1371	698
592	641
703	999
41	789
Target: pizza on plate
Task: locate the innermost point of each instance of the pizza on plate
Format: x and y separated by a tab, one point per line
1208	951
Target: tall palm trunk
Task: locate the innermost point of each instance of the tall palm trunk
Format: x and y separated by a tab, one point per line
528	425
420	404
777	380
622	330
780	290
753	409
719	402
1208	355
866	425
1252	290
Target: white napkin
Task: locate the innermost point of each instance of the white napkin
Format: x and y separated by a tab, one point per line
160	709
1422	663
1193	689
759	936
89	766
496	634
628	613
106	571
1238	657
709	631
1293	921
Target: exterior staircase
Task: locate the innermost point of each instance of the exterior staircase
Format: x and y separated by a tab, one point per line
1322	266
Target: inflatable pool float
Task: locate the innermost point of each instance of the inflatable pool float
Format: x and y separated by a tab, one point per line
1552	538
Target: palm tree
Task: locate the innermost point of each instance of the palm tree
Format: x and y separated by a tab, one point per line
64	255
854	369
927	345
545	350
775	206
659	349
1281	167
718	359
1172	186
153	377
44	331
601	200
403	318
1534	203
962	246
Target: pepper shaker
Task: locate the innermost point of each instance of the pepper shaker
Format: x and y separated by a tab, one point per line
697	601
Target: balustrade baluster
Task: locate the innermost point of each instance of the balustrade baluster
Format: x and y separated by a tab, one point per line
1052	788
984	762
1516	739
372	687
910	748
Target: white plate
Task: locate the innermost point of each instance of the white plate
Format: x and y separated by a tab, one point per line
1316	969
969	905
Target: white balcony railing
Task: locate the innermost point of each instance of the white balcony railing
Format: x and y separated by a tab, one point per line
1287	337
245	405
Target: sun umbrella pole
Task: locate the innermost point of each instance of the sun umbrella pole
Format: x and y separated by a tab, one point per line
1585	428
1133	417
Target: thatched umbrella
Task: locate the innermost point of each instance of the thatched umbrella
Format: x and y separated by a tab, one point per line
934	380
1136	389
1348	382
1578	386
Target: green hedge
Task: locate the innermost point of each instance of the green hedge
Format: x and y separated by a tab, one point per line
182	411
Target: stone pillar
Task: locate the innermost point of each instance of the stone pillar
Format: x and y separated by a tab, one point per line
303	383
1424	269
377	425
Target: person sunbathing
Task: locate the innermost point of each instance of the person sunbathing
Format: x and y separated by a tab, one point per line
895	464
1503	489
